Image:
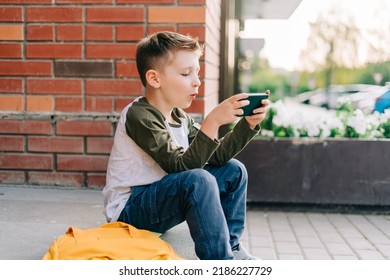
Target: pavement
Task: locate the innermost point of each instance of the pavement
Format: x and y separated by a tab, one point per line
32	217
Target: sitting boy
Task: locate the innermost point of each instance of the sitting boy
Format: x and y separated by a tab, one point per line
165	169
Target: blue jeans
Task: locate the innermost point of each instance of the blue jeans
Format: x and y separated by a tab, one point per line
212	200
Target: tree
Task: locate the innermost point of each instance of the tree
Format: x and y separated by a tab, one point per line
378	37
367	74
332	43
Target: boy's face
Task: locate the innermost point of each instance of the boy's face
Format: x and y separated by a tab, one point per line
179	81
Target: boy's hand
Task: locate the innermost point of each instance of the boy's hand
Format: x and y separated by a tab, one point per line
229	109
225	112
259	113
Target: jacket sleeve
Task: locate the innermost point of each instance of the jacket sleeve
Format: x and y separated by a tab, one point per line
146	127
234	142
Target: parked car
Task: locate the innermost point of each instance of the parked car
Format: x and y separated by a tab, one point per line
382	102
321	98
304	97
365	98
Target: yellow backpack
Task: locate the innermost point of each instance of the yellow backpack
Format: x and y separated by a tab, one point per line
112	241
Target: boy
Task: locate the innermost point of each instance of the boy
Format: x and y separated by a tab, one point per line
165	169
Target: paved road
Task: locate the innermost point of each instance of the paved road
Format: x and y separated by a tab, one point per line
32	217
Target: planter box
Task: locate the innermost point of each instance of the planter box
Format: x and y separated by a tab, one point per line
315	171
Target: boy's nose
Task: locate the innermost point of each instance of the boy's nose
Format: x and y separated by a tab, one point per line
196	82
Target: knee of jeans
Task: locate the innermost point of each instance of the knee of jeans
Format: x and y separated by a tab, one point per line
240	167
201	182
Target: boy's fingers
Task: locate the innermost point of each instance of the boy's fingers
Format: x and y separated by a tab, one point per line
239	112
239	96
265	102
260	110
242	103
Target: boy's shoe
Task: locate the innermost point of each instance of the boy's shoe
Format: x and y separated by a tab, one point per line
240	253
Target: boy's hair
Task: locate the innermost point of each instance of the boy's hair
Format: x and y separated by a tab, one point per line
154	51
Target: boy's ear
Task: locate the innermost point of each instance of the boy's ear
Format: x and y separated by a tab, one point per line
152	78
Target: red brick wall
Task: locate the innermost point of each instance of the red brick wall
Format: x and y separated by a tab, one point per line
67	69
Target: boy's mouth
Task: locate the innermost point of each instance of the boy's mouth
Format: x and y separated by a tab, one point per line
194	95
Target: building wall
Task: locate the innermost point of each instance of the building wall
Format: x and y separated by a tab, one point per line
67	68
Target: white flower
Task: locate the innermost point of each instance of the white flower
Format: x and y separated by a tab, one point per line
325	132
282	116
357	124
279	120
387	113
313	130
334	123
314	123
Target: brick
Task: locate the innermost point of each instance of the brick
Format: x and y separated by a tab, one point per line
55	179
113	87
10	51
68	104
192	2
99	145
54	86
153	28
212	90
99	104
197	106
26	161
42	127
11	143
27	2
70	33
148	2
11	103
81	163
54	14
111	51
197	31
39	103
96	180
121	15
40	33
176	15
86	128
11	85
13	14
53	50
55	144
25	68
84	1
130	33
126	69
11	32
12	177
99	33
83	69
202	71
121	103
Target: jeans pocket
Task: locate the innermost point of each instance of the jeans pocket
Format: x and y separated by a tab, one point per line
159	203
143	209
163	203
150	204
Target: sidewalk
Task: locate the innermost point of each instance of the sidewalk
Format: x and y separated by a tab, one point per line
31	218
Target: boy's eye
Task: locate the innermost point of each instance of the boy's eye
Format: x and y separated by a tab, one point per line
185	74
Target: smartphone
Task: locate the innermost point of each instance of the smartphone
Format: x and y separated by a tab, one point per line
255	102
